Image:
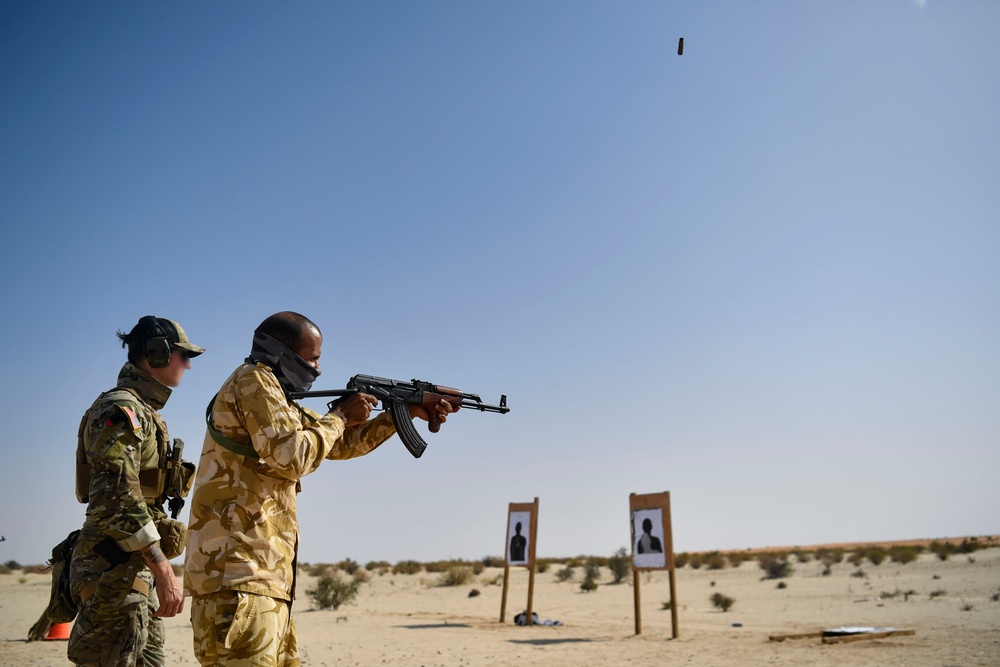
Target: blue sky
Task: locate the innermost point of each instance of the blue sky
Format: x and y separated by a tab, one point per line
762	275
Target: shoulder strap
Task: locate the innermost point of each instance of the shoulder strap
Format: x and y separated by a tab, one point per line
234	447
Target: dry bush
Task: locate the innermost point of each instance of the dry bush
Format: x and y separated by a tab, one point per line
361	576
680	560
876	555
349	566
407	567
620	565
456	576
943	550
903	553
802	556
775	566
588	586
715	561
493	561
723	602
378	565
737	558
542	565
565	574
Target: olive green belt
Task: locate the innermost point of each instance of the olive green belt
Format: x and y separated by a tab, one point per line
88	589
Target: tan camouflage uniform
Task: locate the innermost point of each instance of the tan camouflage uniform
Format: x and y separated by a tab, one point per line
243	533
122	434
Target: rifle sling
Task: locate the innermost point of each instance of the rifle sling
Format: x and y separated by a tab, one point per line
235	447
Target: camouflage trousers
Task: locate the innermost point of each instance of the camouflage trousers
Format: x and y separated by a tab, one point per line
123	636
238	629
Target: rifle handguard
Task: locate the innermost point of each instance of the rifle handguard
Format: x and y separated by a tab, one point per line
405	429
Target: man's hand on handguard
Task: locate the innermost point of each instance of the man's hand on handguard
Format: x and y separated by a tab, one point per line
355	408
437	412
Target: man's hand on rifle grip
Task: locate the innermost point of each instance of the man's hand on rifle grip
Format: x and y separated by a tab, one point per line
354	409
435	413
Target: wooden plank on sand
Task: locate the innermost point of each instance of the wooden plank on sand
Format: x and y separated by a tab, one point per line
861	636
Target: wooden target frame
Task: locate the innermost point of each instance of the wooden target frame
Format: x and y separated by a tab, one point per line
652	547
519	554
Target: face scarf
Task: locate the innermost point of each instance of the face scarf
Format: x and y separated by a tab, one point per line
292	371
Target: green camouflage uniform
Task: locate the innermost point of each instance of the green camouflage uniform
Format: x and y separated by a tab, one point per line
123	434
243	533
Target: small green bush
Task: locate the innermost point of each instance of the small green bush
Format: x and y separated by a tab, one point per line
620	565
723	602
332	593
592	569
565	574
588	585
775	567
715	561
876	555
903	554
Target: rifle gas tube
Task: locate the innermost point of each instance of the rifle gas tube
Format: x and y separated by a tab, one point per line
395	394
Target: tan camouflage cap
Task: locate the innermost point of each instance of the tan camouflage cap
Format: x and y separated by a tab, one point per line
178	338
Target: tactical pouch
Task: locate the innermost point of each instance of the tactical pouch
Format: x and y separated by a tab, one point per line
173	535
182	478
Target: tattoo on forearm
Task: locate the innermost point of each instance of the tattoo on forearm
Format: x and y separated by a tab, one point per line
153	553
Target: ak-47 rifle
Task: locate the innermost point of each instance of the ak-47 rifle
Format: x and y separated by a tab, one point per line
395	394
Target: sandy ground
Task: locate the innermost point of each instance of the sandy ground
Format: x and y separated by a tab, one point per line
407	620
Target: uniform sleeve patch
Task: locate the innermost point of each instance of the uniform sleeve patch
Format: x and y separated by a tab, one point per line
130	413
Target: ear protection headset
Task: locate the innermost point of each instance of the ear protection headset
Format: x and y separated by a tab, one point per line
157	349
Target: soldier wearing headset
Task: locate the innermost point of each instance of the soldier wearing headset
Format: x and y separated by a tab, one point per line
126	470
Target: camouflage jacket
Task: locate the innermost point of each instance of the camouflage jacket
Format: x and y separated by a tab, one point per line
122	433
243	530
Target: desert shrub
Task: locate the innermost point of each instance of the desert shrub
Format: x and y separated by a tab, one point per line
737	558
332	593
859	574
995	597
565	574
474	593
5	570
781	585
574	562
458	575
802	556
542	565
876	555
680	560
856	558
620	565
347	565
407	567
592	569
938	593
723	602
492	581
362	576
968	546
942	550
492	561
378	565
13	565
775	567
715	561
696	561
966	606
588	585
903	554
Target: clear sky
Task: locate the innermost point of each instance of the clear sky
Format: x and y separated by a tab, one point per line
764	275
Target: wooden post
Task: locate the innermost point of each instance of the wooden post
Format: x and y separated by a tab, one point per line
638	607
503	600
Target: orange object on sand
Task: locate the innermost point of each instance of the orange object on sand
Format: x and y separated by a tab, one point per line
58	631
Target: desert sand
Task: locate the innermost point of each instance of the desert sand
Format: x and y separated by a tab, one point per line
408	620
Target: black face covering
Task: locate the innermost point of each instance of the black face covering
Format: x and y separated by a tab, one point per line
292	371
